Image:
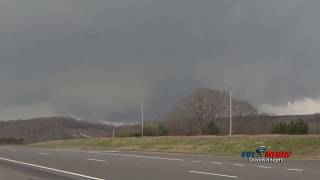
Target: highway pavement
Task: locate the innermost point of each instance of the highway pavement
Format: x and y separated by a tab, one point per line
26	163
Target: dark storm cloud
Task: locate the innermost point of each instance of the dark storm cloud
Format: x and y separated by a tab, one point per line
100	59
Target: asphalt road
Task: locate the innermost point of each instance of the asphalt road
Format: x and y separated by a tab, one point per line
24	163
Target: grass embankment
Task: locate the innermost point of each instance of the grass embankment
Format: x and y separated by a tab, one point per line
302	146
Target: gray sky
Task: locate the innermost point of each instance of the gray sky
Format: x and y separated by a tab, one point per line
99	60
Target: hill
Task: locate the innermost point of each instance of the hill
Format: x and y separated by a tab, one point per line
52	128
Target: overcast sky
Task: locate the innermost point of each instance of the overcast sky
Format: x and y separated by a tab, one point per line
99	60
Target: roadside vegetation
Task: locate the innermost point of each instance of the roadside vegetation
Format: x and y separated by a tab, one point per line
294	127
302	146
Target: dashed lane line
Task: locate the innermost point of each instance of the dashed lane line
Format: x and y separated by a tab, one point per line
212	174
241	165
156	157
196	161
97	160
214	162
265	167
127	155
141	156
300	170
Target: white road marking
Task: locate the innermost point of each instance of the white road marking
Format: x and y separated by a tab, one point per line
216	162
139	156
212	174
295	170
110	151
241	165
98	160
44	153
50	169
197	161
265	167
126	155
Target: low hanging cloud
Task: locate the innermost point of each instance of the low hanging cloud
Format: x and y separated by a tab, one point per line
298	107
100	60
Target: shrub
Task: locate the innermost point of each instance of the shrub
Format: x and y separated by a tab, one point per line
294	127
280	128
298	127
154	129
162	130
212	129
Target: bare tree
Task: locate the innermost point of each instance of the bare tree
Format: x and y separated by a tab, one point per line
242	108
206	105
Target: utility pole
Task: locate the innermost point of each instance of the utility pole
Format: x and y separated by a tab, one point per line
112	133
141	120
230	114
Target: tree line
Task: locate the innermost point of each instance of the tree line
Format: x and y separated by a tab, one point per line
206	112
11	141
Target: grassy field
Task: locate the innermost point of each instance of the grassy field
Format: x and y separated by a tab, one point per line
302	146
